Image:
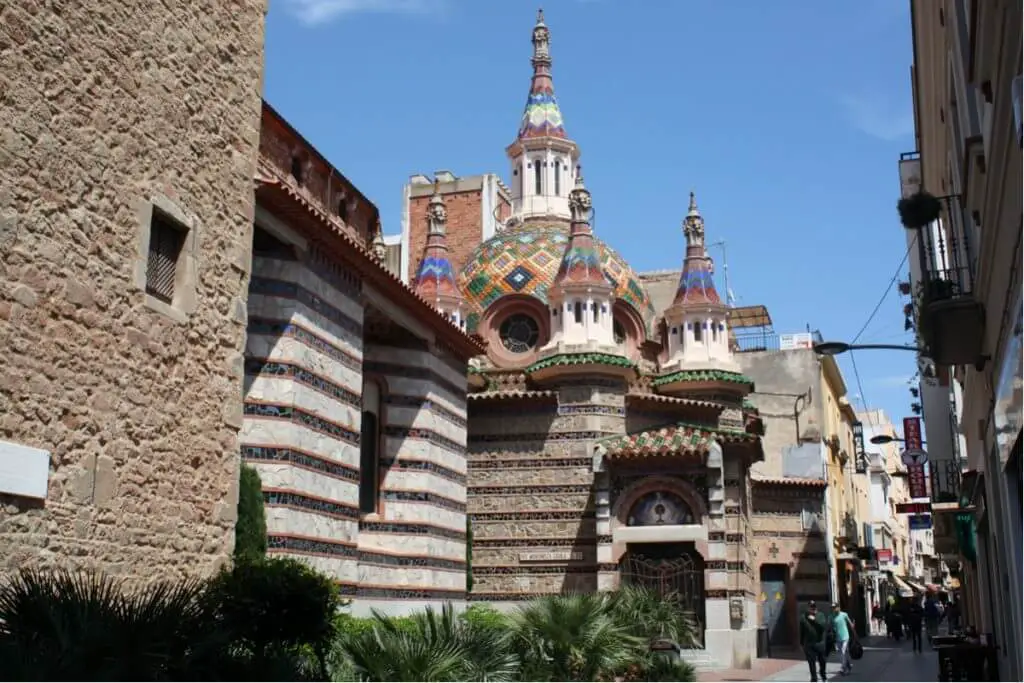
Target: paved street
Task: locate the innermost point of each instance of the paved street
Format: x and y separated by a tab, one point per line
884	660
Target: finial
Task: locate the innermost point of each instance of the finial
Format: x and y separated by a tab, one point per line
378	248
437	186
693	211
437	214
540	17
580	202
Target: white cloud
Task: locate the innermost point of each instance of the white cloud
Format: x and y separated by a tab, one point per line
877	117
314	12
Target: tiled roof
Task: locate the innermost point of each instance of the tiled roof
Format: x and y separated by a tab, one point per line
674	439
581	359
674	400
702	376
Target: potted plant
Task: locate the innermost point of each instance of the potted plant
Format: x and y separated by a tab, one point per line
919	210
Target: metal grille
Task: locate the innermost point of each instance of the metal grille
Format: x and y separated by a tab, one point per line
165	242
677	579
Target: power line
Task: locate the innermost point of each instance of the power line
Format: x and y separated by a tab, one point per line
860	390
888	288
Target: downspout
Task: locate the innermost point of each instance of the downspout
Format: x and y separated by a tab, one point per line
833	578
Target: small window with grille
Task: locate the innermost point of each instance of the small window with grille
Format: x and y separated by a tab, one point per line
166	239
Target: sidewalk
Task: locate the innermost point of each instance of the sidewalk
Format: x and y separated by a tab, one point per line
884	660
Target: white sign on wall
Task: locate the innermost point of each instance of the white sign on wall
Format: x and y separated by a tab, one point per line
551	556
801	340
24	471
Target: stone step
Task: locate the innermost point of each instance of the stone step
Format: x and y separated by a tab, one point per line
700	660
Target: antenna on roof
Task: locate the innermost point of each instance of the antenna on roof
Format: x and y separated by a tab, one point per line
730	298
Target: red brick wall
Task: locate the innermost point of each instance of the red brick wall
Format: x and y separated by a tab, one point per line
464	227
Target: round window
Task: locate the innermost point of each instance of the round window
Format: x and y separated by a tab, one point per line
519	333
619	331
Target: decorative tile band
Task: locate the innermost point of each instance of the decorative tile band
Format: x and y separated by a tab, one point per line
384	593
534	542
536	488
296	292
529	463
765	533
591	409
293	456
279	498
535	438
261	367
393	432
576	568
311	546
284	328
423	497
545	516
327	268
409	465
530	595
384	560
303	418
422	403
457	394
411	529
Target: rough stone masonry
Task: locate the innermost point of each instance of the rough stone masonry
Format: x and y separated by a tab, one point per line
113	113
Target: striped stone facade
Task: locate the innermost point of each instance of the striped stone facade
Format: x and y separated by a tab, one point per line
318	356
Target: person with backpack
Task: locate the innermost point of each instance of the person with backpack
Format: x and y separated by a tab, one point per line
814	631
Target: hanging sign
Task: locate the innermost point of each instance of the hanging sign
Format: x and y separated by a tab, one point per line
914	457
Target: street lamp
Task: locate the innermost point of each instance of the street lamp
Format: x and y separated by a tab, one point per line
882	439
834	348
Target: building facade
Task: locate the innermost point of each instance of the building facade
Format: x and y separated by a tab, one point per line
608	442
966	81
125	267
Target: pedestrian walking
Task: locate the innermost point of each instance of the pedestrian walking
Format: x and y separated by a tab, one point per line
878	616
915	617
932	617
843	628
814	641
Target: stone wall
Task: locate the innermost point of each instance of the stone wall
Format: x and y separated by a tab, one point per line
415	547
532	490
135	399
302	405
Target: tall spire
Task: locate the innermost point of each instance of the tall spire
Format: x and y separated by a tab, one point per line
697	283
542	117
581	261
435	277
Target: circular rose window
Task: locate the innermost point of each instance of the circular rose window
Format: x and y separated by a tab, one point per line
519	333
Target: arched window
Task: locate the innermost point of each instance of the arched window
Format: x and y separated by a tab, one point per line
519	333
618	332
558	178
536	177
578	310
697	336
369	449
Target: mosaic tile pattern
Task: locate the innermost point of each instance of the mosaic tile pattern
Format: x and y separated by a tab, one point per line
541	117
436	277
526	261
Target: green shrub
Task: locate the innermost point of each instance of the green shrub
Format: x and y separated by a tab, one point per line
484	616
251	526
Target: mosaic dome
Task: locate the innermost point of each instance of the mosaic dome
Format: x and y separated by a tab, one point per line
526	260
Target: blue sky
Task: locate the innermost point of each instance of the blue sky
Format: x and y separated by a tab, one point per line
787	117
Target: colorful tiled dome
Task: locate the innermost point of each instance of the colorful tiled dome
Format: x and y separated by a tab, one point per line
525	261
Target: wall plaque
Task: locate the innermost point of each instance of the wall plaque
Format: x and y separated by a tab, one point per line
551	556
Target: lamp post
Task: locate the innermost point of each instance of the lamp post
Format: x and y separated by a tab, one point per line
834	348
882	439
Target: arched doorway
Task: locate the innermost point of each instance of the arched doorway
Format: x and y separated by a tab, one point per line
674	571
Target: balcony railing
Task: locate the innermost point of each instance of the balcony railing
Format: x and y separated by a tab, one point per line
945	480
754	341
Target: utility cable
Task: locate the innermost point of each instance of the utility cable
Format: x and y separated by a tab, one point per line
860	390
888	288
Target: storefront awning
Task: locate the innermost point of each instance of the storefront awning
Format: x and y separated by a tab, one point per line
902	586
917	587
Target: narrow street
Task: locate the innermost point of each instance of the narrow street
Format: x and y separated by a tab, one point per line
884	660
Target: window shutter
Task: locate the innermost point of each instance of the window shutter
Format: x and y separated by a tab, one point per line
165	242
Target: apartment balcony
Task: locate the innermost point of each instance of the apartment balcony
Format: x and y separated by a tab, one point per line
950	317
746	340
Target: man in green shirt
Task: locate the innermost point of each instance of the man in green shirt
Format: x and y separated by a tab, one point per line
842	627
814	630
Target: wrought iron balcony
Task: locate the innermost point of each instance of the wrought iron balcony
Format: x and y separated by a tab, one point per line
950	318
945	480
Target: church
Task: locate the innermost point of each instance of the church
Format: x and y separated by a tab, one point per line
609	440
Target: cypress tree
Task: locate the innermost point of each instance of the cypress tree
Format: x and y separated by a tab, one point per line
251	526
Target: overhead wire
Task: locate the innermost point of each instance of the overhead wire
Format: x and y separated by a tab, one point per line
888	288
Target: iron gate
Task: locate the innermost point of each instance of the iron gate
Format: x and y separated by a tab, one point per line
676	575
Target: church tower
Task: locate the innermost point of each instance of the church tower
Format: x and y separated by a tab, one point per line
581	296
697	320
544	160
435	278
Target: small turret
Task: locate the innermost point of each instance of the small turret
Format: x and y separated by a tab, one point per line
435	277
